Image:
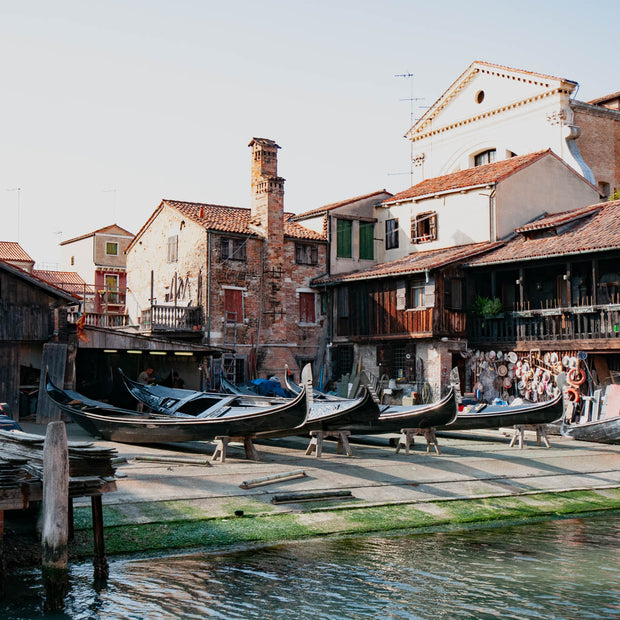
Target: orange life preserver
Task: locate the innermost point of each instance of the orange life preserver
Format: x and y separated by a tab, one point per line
576	376
573	395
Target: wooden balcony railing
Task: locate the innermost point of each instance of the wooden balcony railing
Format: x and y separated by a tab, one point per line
575	323
171	318
101	319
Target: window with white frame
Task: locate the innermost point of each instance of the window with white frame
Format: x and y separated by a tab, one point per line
111	248
391	234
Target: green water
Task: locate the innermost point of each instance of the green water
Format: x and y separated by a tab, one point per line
557	569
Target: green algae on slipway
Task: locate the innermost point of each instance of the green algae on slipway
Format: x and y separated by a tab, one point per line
169	526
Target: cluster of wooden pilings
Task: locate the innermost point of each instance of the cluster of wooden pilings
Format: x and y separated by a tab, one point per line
53	471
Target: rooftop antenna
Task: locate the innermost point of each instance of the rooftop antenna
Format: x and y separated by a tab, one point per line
412	119
19	192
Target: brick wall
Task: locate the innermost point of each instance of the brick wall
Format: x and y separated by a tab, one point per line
599	144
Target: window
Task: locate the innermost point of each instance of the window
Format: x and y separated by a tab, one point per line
424	227
391	234
306	254
343	302
307	312
232	249
486	157
417	294
173	249
367	240
111	288
233	305
453	294
73	260
344	231
111	248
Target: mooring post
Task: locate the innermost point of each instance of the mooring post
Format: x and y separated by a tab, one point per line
54	553
99	561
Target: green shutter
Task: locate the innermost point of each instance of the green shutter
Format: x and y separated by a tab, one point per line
367	241
343	238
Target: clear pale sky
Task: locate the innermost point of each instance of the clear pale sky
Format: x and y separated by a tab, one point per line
109	106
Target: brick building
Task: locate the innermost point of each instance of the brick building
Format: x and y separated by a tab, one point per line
232	277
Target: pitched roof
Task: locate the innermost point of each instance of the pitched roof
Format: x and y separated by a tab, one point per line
487	67
12	251
605	99
34	280
594	229
471	177
417	262
65	280
235	220
335	205
112	229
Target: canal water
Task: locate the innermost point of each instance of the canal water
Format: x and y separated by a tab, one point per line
556	569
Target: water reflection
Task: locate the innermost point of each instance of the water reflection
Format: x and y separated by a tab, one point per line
559	569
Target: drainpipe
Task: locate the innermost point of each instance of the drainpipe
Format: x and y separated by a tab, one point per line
208	287
493	215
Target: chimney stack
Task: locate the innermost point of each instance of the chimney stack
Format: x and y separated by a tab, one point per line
268	197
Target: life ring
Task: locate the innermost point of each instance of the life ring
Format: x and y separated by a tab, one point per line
573	395
576	376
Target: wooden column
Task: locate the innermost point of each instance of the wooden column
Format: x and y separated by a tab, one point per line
55	534
99	561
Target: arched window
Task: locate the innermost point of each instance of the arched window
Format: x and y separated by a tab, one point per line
486	157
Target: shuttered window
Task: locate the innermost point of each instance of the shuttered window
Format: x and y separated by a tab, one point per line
307	311
344	244
367	240
173	249
233	305
424	227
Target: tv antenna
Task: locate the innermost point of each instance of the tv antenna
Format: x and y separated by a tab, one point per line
412	119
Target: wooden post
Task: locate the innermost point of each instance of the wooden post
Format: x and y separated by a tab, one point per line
99	561
55	515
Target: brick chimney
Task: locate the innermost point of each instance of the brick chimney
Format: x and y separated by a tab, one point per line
268	198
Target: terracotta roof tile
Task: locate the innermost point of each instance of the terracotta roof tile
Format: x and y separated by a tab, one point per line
236	219
335	205
418	262
472	177
12	251
65	280
595	228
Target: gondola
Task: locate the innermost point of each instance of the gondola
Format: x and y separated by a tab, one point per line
606	427
164	399
293	388
322	414
496	416
226	417
392	418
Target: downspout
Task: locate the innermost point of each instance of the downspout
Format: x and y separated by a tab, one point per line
208	287
492	216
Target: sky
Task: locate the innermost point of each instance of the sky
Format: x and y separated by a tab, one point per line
108	107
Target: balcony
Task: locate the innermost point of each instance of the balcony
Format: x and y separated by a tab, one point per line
186	320
577	324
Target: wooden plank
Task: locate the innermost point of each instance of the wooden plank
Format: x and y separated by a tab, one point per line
54	359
